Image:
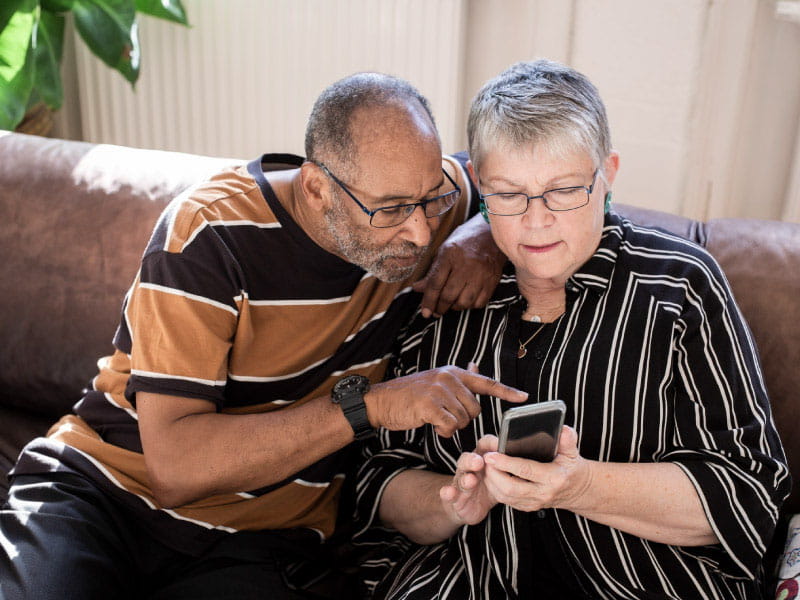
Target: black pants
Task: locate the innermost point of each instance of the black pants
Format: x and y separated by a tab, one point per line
61	538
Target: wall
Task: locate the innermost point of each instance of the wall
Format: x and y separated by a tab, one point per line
703	95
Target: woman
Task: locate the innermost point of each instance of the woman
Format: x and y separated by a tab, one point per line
668	481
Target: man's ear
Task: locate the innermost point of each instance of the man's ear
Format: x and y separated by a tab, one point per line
314	184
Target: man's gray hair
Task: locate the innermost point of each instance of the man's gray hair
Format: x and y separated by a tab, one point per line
539	103
328	133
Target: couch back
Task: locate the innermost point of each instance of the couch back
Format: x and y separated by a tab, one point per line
76	217
75	220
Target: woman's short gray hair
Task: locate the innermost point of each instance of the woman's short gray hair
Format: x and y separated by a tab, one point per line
535	103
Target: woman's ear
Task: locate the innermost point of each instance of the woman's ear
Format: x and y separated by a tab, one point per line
610	167
474	177
471	171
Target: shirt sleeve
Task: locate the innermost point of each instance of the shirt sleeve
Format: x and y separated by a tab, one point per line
726	441
180	317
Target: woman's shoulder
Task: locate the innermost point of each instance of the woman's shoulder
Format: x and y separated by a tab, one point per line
659	248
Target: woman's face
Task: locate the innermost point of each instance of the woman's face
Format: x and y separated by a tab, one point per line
546	247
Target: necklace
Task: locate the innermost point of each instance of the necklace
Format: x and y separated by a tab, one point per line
522	351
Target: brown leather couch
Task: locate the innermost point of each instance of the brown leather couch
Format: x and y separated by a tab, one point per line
75	217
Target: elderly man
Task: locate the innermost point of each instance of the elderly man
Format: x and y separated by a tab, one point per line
249	356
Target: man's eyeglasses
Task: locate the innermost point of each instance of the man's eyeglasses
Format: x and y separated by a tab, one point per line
392	216
559	199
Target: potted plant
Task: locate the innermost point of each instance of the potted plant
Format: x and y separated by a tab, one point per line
32	37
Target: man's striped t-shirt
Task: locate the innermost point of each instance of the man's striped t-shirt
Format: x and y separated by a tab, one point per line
236	305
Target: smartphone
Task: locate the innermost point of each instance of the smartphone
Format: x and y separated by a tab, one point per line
532	431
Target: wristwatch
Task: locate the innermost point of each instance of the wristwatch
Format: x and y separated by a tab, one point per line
349	394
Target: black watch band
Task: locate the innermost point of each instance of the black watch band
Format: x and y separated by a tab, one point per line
349	394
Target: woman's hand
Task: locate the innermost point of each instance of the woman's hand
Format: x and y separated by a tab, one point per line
529	485
654	501
466	498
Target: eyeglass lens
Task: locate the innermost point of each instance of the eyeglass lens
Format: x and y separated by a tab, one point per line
394	215
515	204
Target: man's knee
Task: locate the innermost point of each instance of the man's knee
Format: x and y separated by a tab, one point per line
55	544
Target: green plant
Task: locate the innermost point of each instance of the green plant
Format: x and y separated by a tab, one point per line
32	38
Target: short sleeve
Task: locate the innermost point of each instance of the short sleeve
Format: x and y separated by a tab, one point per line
181	316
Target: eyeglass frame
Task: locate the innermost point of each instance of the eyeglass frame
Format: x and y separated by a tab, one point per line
422	203
528	199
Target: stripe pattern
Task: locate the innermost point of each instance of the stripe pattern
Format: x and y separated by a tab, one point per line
236	305
655	363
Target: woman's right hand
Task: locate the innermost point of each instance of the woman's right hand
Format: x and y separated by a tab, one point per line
466	498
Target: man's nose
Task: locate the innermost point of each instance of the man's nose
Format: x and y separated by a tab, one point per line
417	228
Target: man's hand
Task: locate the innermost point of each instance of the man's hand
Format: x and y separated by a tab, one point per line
466	497
443	397
464	272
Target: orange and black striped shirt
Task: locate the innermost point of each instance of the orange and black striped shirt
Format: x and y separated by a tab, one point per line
234	304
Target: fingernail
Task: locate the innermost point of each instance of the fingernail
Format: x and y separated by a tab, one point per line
426	313
490	458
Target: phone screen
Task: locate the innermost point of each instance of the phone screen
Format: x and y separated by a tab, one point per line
534	436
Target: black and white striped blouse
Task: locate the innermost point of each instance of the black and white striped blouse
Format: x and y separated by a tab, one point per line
656	364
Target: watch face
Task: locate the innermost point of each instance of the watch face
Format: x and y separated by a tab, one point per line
346	384
349	394
351	382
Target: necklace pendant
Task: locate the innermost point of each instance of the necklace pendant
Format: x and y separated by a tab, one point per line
522	352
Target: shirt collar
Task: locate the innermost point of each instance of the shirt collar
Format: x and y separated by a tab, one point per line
594	275
596	272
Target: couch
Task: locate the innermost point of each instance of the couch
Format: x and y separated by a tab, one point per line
76	217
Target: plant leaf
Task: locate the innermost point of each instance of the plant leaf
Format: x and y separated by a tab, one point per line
170	10
47	58
57	5
16	60
8	8
109	29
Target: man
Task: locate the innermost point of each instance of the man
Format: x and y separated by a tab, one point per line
213	442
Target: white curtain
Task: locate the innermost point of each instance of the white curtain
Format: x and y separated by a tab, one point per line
789	10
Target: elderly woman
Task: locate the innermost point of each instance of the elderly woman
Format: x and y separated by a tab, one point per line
667	482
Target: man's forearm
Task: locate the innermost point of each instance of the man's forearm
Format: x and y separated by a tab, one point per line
192	453
411	504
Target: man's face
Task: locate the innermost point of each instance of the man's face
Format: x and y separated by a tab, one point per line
398	167
372	249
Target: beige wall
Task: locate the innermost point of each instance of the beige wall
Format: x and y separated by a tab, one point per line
703	95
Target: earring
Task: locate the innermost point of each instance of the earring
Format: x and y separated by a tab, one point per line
607	205
482	208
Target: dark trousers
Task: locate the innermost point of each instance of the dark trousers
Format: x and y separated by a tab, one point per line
61	538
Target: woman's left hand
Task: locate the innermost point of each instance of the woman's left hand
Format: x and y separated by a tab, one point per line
529	485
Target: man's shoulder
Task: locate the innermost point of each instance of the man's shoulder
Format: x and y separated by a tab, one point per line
228	198
456	167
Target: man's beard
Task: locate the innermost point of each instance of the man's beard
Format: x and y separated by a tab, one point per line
353	243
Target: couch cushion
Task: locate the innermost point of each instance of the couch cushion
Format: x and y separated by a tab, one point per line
17	428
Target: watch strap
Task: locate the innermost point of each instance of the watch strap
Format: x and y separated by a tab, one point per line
355	411
349	394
